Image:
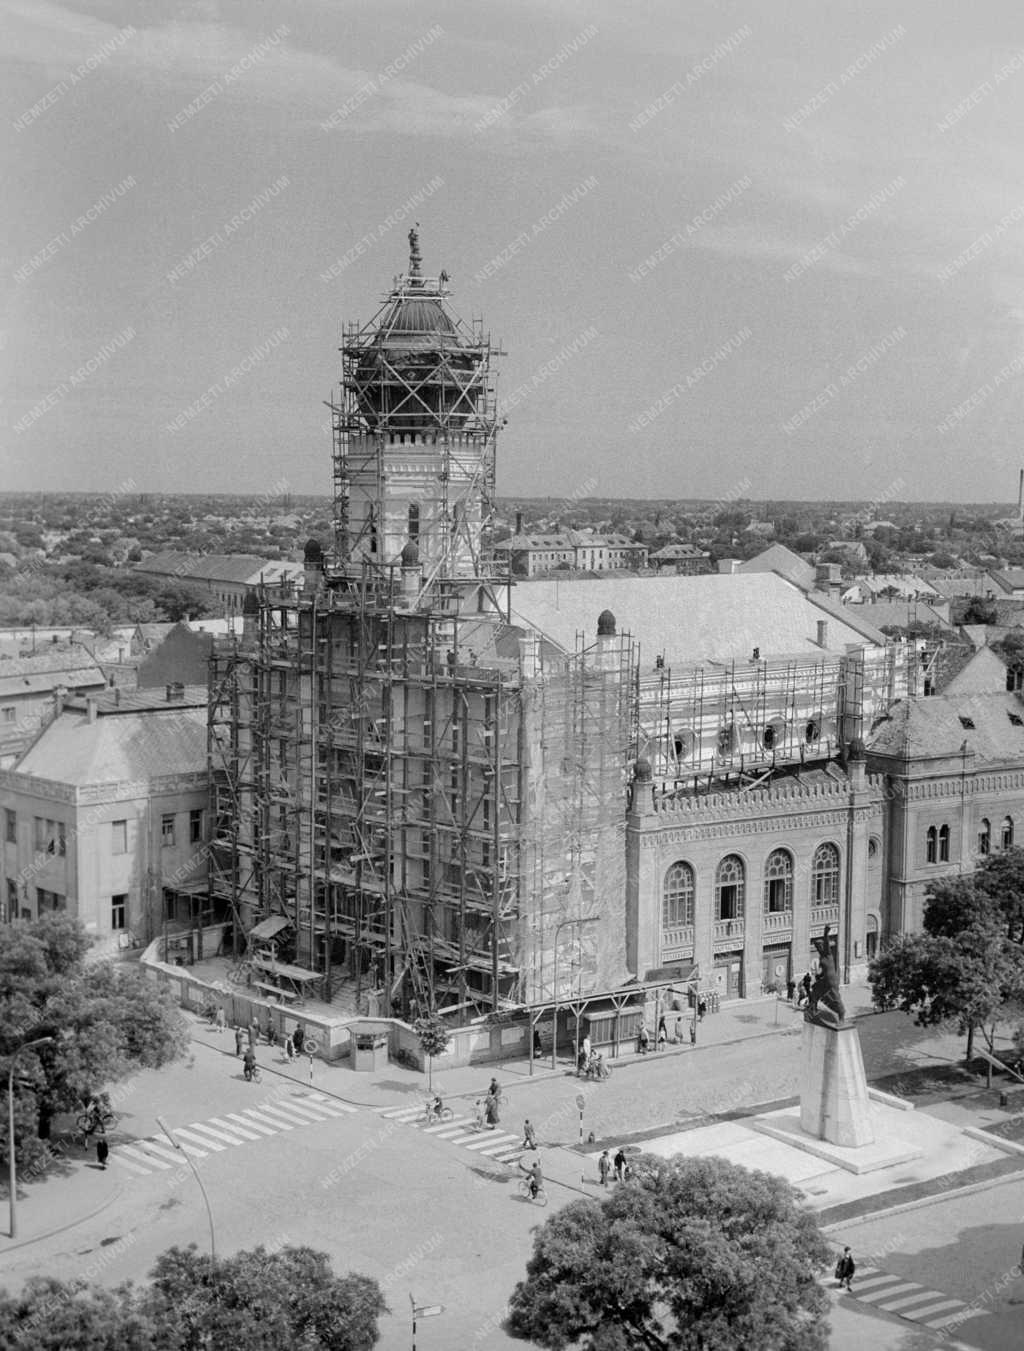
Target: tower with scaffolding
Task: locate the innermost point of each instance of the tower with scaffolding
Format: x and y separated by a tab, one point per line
411	788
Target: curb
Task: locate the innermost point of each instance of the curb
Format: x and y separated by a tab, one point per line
63	1228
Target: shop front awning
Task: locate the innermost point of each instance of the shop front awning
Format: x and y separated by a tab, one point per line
267	928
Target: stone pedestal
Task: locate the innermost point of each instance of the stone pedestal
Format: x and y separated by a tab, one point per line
833	1090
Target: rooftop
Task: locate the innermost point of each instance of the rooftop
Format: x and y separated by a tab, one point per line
692	619
134	747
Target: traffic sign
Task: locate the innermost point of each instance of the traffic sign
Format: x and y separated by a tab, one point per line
427	1310
581	1101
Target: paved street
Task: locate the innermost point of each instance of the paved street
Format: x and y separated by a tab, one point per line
345	1165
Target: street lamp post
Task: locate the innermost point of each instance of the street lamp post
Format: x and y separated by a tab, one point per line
12	1173
195	1173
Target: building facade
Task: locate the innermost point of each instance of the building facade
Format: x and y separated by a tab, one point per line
105	816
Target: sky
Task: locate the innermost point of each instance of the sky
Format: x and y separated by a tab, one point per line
731	248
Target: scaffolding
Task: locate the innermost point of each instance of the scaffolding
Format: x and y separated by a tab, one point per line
700	726
416	379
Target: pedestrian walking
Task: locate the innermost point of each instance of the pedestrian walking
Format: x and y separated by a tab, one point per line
702	1008
492	1114
239	1041
679	1027
289	1048
254	1032
790	989
845	1268
604	1168
218	1018
299	1039
529	1135
643	1038
662	1030
102	1148
620	1166
537	1046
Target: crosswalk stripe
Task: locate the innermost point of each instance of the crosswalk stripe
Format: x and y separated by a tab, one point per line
331	1104
956	1316
135	1153
276	1111
235	1130
876	1296
950	1306
265	1116
490	1141
879	1278
456	1123
907	1300
159	1150
206	1130
302	1111
403	1113
247	1120
186	1134
118	1156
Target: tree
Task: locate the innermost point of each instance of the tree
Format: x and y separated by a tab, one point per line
282	1301
119	1021
264	1301
690	1254
434	1036
965	967
979	611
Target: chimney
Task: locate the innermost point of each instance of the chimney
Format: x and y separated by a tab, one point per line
823	633
176	692
90	708
519	517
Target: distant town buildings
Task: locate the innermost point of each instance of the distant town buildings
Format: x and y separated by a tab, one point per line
228	578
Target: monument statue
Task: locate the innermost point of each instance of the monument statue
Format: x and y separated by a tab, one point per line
824	1003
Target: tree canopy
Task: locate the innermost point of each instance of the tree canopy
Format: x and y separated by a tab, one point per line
689	1255
288	1300
967	966
107	1018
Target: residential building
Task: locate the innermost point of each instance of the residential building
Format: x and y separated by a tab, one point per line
30	686
227	578
105	816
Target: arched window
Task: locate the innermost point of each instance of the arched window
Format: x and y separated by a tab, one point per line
677	897
943	844
414	520
931	845
984	836
778	882
730	882
1007	833
825	875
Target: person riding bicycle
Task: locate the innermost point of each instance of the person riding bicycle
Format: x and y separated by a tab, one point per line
535	1178
249	1063
596	1069
435	1108
97	1109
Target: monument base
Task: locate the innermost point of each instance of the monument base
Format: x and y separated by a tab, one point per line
833	1088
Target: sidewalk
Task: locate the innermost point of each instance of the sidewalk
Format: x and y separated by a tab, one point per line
85	1190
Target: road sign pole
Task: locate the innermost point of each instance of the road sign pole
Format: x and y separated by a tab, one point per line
581	1102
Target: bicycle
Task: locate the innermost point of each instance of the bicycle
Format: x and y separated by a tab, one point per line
526	1191
434	1118
253	1075
97	1118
